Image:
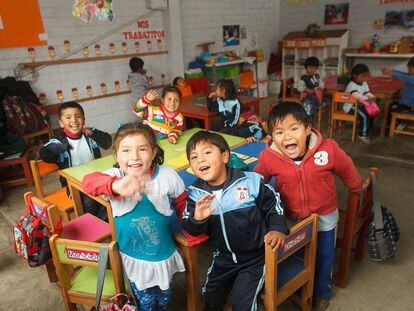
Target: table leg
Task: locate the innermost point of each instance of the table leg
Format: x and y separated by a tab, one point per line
77	200
207	124
257	107
384	117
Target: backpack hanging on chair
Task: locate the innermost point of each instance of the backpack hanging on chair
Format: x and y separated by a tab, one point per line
383	231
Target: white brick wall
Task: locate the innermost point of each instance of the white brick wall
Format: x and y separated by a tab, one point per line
362	14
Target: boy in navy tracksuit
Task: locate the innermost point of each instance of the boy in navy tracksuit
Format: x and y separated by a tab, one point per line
240	213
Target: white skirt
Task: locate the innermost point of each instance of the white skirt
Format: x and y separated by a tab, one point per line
146	274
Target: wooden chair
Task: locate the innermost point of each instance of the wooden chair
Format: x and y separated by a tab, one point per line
43	132
401	116
287	270
58	197
352	228
16	176
338	114
80	288
289	93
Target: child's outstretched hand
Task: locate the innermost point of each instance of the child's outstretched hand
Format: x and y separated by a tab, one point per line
172	140
130	186
203	209
275	239
87	131
251	139
387	71
151	95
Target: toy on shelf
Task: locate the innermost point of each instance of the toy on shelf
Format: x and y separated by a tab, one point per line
89	90
375	44
98	51
394	48
103	88
112	48
75	93
31	53
149	45
159	44
313	30
42	99
60	96
85	52
66	46
52	52
136	44
117	86
124	47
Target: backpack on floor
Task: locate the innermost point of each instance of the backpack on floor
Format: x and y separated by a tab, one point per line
383	231
31	237
23	117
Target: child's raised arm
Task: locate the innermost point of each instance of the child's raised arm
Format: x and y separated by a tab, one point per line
51	151
146	100
196	215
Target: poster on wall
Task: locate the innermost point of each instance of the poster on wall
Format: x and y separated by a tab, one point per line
231	35
336	14
401	19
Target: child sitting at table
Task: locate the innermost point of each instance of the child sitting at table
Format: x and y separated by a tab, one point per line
406	102
359	89
224	101
76	145
142	193
304	164
137	80
165	119
184	88
240	213
310	85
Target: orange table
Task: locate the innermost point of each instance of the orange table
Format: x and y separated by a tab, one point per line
384	88
195	106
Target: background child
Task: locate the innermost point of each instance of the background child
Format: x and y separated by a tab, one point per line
311	84
165	119
304	164
137	79
76	145
142	216
358	88
224	101
185	89
407	97
253	214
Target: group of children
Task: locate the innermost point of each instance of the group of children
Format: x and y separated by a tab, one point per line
239	211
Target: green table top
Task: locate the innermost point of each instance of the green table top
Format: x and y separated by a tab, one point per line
174	155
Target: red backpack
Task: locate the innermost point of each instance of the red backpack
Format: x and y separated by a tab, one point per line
23	117
31	236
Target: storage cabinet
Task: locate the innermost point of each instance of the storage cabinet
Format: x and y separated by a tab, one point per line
328	48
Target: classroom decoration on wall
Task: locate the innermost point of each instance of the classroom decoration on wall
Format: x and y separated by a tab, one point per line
66	46
117	86
21	24
60	96
112	48
336	14
89	90
86	10
402	19
231	35
124	47
52	52
42	99
75	93
31	53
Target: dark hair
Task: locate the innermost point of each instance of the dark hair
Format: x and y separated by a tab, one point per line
136	129
209	137
281	111
171	89
359	69
70	105
410	62
175	81
312	61
229	87
136	64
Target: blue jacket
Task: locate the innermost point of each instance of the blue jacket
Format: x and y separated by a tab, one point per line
407	96
247	210
229	110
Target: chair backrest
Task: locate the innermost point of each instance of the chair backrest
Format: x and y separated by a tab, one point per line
51	218
341	98
198	85
70	253
40	169
289	92
302	237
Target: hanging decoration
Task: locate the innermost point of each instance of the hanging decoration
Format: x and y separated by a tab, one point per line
400	19
86	10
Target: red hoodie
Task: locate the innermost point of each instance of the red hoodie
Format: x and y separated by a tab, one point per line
309	187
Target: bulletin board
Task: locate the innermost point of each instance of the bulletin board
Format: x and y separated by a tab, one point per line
21	24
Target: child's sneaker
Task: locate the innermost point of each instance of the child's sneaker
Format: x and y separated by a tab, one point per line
321	304
400	126
364	139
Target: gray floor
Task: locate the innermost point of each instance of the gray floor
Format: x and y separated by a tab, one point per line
372	285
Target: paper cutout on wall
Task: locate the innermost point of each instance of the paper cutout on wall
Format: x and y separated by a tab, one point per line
86	10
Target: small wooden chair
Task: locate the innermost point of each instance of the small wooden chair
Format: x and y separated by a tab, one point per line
352	228
401	116
287	271
289	92
338	114
81	287
58	197
43	132
16	176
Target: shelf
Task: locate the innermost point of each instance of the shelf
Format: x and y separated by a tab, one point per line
370	55
53	108
232	62
330	67
90	59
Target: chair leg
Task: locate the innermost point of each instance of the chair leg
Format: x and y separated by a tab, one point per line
192	278
51	271
361	244
353	131
392	126
306	297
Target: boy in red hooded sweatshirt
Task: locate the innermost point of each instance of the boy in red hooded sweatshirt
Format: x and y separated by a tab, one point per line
304	164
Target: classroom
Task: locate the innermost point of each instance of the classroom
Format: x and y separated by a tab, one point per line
206	155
